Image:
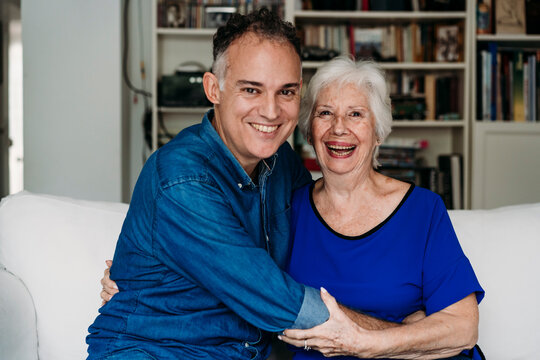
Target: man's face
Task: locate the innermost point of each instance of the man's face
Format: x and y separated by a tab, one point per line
258	107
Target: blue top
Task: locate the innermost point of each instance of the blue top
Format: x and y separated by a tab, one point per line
411	261
200	256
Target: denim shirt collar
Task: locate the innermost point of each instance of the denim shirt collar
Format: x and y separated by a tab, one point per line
210	135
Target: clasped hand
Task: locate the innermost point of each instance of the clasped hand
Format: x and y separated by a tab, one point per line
339	336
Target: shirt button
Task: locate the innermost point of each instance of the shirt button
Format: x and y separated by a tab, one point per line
246	344
240	185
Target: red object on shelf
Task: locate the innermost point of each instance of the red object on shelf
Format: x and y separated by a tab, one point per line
311	164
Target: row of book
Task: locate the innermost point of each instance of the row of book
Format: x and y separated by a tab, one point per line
509	81
385	5
446	179
413	42
431	96
208	13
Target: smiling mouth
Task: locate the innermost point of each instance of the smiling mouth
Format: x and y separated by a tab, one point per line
265	128
341	151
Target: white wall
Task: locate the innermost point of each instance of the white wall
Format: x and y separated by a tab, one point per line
73	98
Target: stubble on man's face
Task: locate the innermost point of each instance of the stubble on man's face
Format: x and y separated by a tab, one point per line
259	103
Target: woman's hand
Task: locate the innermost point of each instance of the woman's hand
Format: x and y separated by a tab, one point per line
109	286
339	336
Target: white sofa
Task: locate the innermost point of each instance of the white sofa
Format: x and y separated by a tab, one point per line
52	253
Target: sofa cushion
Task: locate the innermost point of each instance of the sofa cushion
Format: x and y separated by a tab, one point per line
58	247
504	248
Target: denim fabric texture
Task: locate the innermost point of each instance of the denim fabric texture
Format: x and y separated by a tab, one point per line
200	256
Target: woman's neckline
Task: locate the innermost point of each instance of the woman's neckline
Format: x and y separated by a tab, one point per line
367	233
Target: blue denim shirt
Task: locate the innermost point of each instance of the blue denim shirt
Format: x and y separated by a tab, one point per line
200	256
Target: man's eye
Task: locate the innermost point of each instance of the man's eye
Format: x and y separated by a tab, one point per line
287	92
250	90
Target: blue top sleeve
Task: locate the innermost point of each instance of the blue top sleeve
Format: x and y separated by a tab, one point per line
447	273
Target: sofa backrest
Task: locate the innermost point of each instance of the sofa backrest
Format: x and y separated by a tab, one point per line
503	246
57	246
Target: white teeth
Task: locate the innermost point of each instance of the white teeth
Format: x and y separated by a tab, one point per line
338	147
264	128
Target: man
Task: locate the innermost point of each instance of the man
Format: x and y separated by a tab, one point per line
198	259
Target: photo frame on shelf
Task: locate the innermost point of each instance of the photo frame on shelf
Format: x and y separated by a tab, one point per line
510	17
172	13
216	16
448	43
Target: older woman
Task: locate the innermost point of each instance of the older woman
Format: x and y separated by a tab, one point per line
379	245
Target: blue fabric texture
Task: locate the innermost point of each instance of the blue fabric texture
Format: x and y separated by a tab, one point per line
411	261
200	258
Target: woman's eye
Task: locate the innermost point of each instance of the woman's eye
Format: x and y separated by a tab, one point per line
325	113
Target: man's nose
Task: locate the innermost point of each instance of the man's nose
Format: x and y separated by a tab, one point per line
270	108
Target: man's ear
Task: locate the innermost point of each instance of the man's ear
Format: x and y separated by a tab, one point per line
211	87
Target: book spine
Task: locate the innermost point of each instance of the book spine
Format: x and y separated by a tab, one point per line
519	110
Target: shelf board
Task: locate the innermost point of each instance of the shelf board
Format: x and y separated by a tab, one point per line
508	37
401	66
508	125
183	110
186	31
428	123
378	15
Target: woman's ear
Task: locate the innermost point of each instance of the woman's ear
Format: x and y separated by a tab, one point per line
211	87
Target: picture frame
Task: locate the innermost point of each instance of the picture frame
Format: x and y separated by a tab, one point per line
173	13
448	43
216	16
510	17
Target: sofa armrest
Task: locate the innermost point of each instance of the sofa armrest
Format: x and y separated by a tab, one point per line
18	333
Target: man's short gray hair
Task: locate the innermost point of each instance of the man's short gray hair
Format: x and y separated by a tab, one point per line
365	75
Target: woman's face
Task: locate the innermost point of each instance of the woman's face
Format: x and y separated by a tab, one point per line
343	130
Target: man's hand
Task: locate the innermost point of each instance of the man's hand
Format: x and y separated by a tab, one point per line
109	286
339	336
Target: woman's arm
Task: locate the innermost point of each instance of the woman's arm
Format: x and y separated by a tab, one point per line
442	334
109	286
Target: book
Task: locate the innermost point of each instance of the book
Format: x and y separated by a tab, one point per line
492	48
429	89
517	93
451	180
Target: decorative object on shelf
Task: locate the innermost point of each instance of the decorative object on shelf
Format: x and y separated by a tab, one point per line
483	17
317	53
448	43
172	13
510	16
368	43
216	16
184	87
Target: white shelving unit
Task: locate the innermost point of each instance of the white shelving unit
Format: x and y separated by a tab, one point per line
505	154
172	47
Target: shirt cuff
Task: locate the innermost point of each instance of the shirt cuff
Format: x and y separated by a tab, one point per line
313	311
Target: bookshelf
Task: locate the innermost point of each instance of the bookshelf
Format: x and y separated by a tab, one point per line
444	136
505	165
174	46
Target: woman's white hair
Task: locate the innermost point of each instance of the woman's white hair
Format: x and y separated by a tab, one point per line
365	75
